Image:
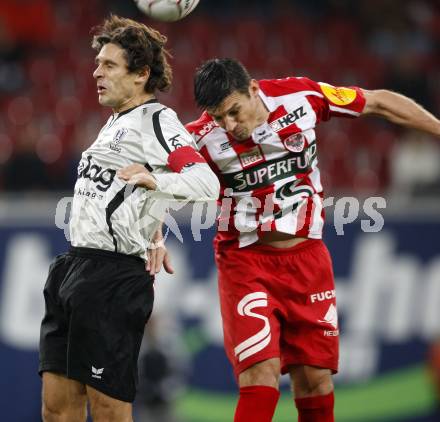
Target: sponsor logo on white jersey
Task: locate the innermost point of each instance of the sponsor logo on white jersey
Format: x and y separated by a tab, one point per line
102	177
251	157
175	141
225	146
259	136
288	119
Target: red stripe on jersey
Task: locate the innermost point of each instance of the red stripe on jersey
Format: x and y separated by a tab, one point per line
249	154
201	127
240	146
276	114
279	113
183	156
320	107
279	87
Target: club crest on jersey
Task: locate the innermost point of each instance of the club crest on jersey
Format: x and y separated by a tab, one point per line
288	119
120	133
251	157
295	142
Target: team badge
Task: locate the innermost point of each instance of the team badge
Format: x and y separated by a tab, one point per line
338	95
119	135
295	142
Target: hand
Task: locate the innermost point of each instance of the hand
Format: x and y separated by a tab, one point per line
158	256
136	174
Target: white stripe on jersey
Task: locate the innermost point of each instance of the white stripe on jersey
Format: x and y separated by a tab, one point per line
315	177
221	152
272	103
315	231
343	110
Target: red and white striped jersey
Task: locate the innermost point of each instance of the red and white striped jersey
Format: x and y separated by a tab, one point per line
271	181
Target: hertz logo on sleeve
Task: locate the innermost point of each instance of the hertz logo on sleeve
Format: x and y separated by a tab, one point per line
339	95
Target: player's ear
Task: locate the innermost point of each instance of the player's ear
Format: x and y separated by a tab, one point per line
143	75
254	87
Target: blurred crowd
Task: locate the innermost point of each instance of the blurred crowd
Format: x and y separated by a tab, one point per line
49	111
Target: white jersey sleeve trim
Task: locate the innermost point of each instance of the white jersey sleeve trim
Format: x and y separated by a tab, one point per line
344	110
273	102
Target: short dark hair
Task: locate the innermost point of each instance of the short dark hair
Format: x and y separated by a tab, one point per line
218	78
143	47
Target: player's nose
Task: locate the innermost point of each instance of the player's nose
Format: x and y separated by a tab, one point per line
98	72
229	124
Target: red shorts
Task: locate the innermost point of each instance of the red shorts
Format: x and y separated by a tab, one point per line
279	303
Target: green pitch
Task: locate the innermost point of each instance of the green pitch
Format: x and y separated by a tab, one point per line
401	394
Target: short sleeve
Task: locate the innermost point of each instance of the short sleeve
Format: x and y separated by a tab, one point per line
343	101
327	100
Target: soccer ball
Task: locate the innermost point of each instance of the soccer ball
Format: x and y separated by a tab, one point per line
167	10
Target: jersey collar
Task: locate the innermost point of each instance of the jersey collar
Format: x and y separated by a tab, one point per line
117	115
268	102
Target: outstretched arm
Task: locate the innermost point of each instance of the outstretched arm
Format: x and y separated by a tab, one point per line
400	110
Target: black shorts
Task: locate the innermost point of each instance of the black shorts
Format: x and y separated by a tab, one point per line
97	305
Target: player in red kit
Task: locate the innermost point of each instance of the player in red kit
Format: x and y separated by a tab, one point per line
276	284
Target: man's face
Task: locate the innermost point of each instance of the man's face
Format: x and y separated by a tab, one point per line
239	114
117	88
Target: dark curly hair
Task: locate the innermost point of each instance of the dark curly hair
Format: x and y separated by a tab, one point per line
143	47
215	79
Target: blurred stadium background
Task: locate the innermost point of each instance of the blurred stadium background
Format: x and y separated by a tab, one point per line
388	282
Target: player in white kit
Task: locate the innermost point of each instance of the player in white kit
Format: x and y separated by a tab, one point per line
99	295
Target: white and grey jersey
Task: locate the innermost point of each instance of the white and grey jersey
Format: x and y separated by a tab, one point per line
106	213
